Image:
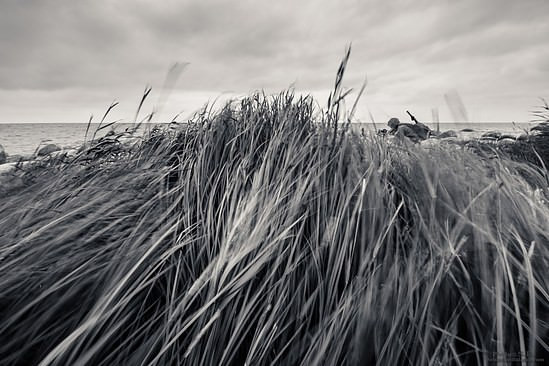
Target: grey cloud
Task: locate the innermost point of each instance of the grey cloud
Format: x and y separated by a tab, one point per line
411	50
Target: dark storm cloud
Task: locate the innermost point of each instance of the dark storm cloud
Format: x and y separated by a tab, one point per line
412	51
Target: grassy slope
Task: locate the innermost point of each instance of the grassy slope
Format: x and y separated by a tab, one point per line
258	235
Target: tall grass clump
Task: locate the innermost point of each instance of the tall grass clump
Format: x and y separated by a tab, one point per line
266	233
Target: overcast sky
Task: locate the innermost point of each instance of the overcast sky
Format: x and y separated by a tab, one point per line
62	60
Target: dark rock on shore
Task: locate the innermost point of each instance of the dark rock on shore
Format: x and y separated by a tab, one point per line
467	130
48	149
491	135
3	155
531	147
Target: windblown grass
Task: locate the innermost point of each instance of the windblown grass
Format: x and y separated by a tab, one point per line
264	234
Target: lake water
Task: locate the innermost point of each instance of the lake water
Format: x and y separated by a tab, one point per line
24	138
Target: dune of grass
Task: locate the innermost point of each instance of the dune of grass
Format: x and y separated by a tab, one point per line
265	234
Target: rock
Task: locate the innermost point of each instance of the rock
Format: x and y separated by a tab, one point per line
7	168
129	141
507	137
48	149
491	135
3	156
70	152
447	134
467	130
542	126
523	137
16	158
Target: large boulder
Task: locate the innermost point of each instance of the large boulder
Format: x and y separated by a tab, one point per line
48	149
3	156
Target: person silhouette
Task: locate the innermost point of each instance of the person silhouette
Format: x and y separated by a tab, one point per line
415	132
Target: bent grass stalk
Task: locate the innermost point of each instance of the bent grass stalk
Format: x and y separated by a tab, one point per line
263	234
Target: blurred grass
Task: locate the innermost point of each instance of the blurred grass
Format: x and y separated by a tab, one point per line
267	233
